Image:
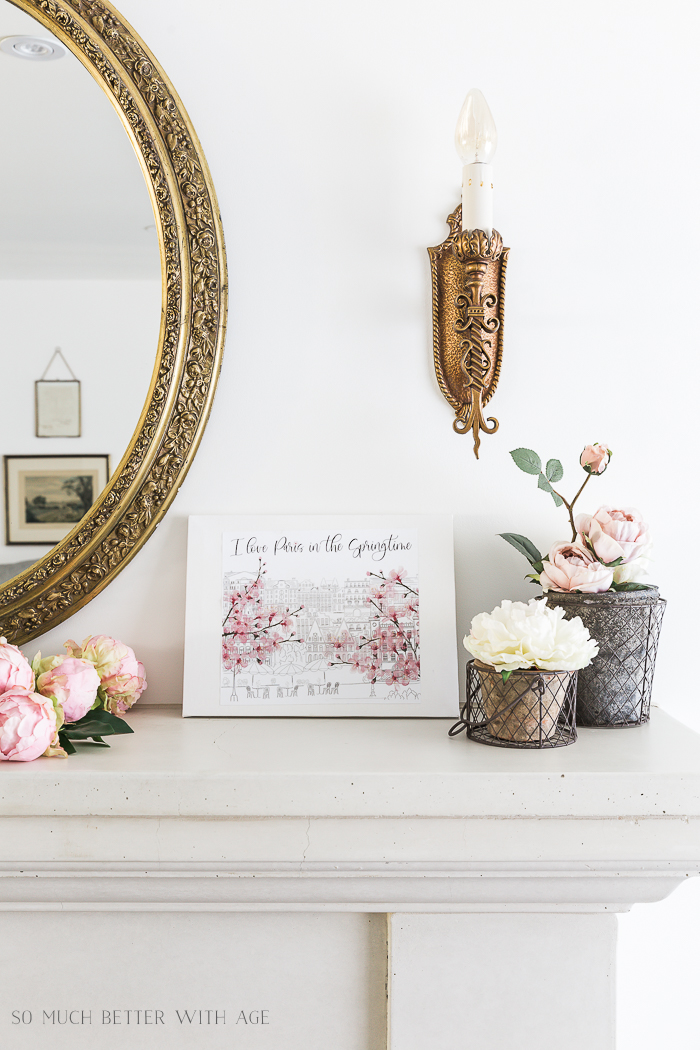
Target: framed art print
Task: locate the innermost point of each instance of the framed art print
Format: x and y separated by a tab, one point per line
45	496
57	401
321	616
57	407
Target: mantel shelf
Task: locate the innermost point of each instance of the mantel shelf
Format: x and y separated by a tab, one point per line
362	814
174	767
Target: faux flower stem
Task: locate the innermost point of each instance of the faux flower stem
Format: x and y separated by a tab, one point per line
570	506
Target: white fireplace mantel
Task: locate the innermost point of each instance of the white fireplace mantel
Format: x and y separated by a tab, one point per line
484	859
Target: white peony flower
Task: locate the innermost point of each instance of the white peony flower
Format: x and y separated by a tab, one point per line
517	636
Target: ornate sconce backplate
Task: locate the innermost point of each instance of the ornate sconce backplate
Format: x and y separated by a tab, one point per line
468	275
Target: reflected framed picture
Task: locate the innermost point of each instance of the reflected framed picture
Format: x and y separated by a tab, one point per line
57	407
46	496
322	616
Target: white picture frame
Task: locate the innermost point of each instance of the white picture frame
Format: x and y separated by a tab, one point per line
300	675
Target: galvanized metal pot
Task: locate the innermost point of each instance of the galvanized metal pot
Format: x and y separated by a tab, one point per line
615	689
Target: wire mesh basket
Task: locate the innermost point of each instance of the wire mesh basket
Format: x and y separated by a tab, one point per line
532	709
615	689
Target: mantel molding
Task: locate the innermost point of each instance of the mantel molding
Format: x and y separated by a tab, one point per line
372	887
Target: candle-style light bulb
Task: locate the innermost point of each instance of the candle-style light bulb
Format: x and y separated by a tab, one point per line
476	139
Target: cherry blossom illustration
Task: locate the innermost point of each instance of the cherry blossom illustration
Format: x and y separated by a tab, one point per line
390	652
254	629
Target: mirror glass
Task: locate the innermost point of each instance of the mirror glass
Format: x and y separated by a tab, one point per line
79	271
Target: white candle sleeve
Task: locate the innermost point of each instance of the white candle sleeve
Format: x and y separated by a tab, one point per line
477	197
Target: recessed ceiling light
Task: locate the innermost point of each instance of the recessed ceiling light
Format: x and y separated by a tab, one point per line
35	48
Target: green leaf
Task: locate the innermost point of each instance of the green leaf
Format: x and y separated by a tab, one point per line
543	484
65	743
554	470
527	460
629	587
106	718
84	730
505	675
97	723
525	547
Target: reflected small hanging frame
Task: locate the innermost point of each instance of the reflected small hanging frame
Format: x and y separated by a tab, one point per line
57	403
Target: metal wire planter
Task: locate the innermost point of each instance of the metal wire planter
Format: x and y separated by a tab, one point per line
532	709
615	689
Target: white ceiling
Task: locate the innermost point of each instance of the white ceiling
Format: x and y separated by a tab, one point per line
74	199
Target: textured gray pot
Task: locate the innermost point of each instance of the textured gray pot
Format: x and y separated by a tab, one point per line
615	689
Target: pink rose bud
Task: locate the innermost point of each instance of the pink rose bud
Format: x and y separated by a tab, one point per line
74	684
612	533
595	458
572	567
15	669
27	725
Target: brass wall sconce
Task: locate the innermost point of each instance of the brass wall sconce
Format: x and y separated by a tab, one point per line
468	277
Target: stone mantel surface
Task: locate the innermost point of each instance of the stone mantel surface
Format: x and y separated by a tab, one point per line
294	767
355	814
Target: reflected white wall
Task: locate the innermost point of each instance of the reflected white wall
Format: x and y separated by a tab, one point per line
108	331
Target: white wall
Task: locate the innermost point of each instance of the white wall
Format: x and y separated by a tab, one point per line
329	133
328	128
107	330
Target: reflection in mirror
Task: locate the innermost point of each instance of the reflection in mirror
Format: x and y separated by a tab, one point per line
79	270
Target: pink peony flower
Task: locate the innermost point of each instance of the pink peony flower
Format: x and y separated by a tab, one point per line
125	686
104	652
122	676
15	670
595	458
572	567
27	725
612	533
73	683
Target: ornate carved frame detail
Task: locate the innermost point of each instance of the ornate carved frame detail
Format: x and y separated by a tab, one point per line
192	330
469	284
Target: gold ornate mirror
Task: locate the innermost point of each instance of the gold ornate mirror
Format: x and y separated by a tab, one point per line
115	522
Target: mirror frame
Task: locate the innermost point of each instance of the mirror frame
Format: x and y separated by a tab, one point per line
193	322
